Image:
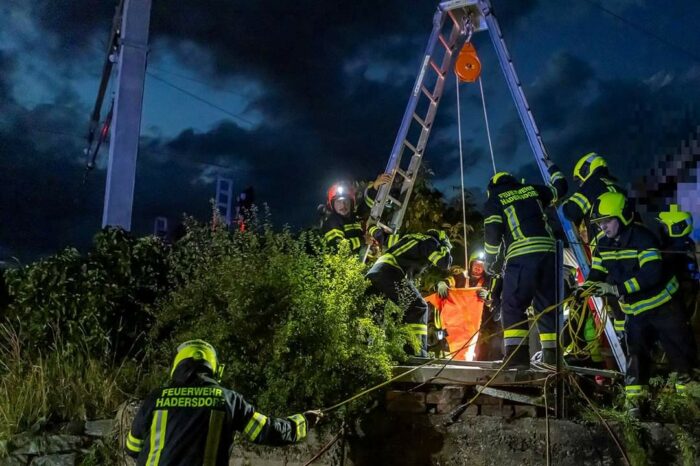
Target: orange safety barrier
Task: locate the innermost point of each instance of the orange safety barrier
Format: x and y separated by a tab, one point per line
460	314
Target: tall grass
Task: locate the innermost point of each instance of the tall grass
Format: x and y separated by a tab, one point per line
48	388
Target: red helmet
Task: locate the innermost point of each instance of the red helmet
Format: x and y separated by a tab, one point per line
341	191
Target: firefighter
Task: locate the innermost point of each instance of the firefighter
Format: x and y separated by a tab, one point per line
458	277
593	177
678	251
514	214
627	265
403	262
193	419
342	222
488	344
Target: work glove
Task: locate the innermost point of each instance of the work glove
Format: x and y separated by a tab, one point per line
312	417
605	289
482	293
442	289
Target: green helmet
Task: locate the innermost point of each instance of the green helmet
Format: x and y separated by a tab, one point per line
200	351
588	164
678	222
612	205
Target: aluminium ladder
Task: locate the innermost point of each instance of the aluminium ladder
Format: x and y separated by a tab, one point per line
446	38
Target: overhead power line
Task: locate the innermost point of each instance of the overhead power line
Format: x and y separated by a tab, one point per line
195	80
201	99
689	53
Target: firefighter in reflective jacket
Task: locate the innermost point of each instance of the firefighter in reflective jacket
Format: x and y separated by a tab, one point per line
593	177
193	419
404	261
679	252
628	265
342	223
344	219
514	214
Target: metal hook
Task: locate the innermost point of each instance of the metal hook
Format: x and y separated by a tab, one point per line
467	27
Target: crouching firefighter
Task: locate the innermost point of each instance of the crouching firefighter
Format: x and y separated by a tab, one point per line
403	262
627	265
514	214
193	419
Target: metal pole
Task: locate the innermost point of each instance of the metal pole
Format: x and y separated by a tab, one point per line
126	129
558	321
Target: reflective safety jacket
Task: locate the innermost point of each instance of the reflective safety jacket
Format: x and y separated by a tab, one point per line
577	208
514	213
336	228
194	425
633	263
412	254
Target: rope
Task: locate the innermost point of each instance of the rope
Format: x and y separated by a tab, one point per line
326	447
602	420
488	129
430	361
461	171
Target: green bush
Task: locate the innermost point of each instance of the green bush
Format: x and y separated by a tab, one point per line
99	301
291	322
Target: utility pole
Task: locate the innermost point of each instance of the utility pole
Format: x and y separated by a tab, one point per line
126	126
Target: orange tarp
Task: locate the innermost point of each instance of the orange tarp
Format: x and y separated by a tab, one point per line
460	314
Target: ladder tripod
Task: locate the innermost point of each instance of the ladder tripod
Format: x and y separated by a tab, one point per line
447	37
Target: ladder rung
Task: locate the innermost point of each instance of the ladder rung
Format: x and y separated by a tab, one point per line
394	200
403	174
421	121
437	69
444	43
410	146
386	227
429	95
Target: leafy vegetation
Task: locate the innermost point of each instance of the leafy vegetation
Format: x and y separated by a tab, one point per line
292	322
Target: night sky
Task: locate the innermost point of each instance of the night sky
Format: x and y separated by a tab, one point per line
311	91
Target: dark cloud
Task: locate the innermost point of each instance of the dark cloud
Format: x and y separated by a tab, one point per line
7	67
334	78
628	121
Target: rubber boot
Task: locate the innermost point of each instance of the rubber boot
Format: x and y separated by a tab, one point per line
549	356
517	357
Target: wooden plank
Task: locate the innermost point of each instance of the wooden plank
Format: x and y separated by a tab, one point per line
590	371
451	374
511	396
483	364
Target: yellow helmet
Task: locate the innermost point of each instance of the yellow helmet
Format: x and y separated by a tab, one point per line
678	222
612	205
476	256
587	164
201	351
501	177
